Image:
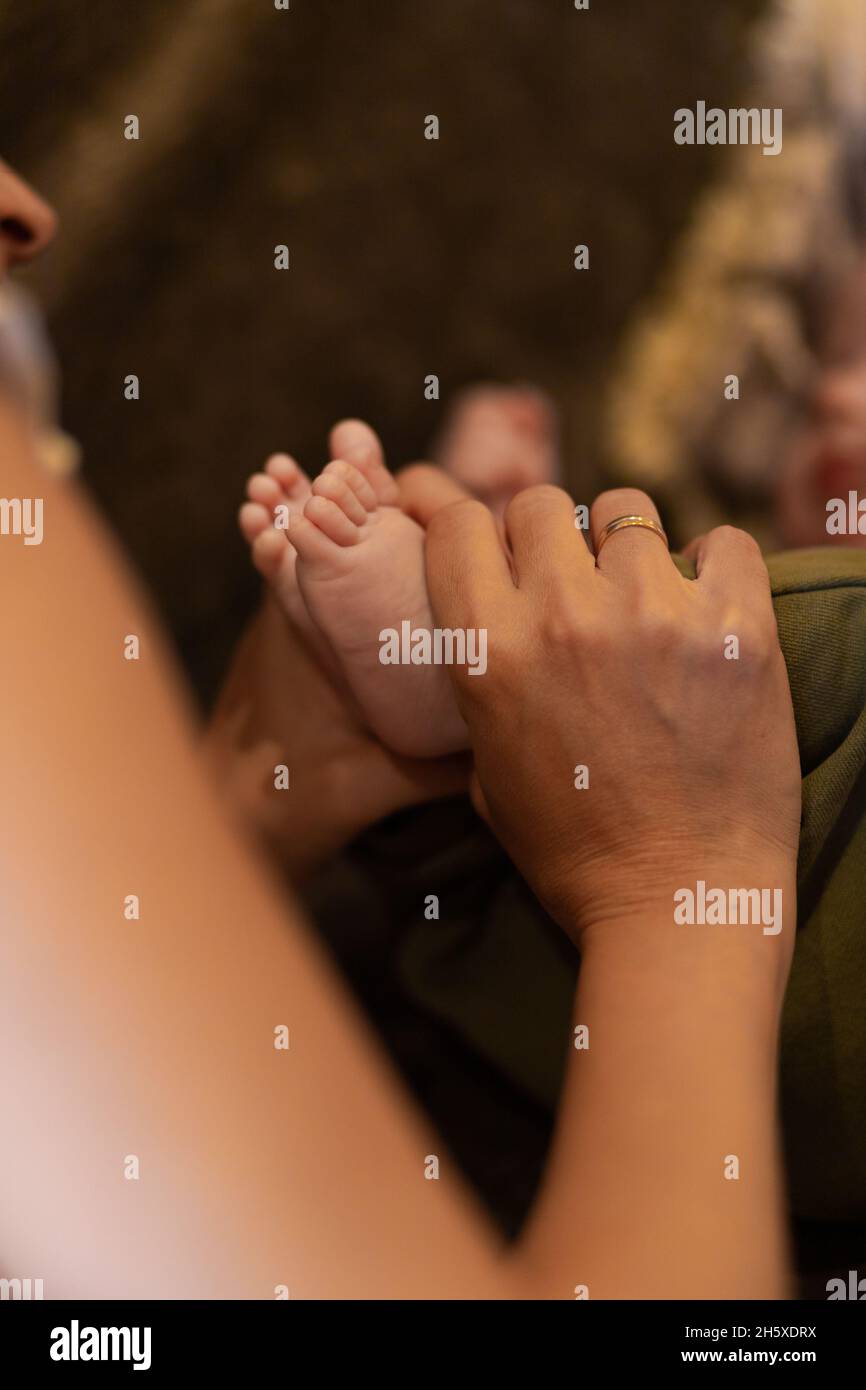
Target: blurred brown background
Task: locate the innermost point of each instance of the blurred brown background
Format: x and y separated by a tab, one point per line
408	257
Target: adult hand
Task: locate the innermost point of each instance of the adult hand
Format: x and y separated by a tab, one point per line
279	706
671	693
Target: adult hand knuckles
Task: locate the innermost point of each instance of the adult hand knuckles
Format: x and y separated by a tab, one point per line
658	622
533	501
739	542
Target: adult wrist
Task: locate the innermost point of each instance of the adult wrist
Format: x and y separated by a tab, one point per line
725	918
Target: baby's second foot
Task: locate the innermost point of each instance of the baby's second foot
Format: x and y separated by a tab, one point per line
360	569
273	497
498	440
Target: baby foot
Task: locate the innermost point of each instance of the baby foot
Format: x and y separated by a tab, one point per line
360	569
499	440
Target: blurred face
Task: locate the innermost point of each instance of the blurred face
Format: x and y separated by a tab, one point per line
828	459
27	224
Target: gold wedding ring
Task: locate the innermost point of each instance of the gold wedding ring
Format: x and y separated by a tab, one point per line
619	523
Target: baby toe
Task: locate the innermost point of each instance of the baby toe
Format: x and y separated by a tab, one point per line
264	490
333	485
331	520
354	479
253	519
290	476
270	552
356	443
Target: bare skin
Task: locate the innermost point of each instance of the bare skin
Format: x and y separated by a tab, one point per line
346	564
155	1037
694	774
151	1037
149	825
27	223
345	559
286	698
827	457
499	440
282	704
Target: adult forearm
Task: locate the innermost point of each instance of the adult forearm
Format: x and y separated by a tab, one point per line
665	1178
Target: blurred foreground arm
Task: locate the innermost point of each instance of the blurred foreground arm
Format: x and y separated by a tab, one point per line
153	1039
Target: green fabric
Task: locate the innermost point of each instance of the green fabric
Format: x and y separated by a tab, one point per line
500	974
